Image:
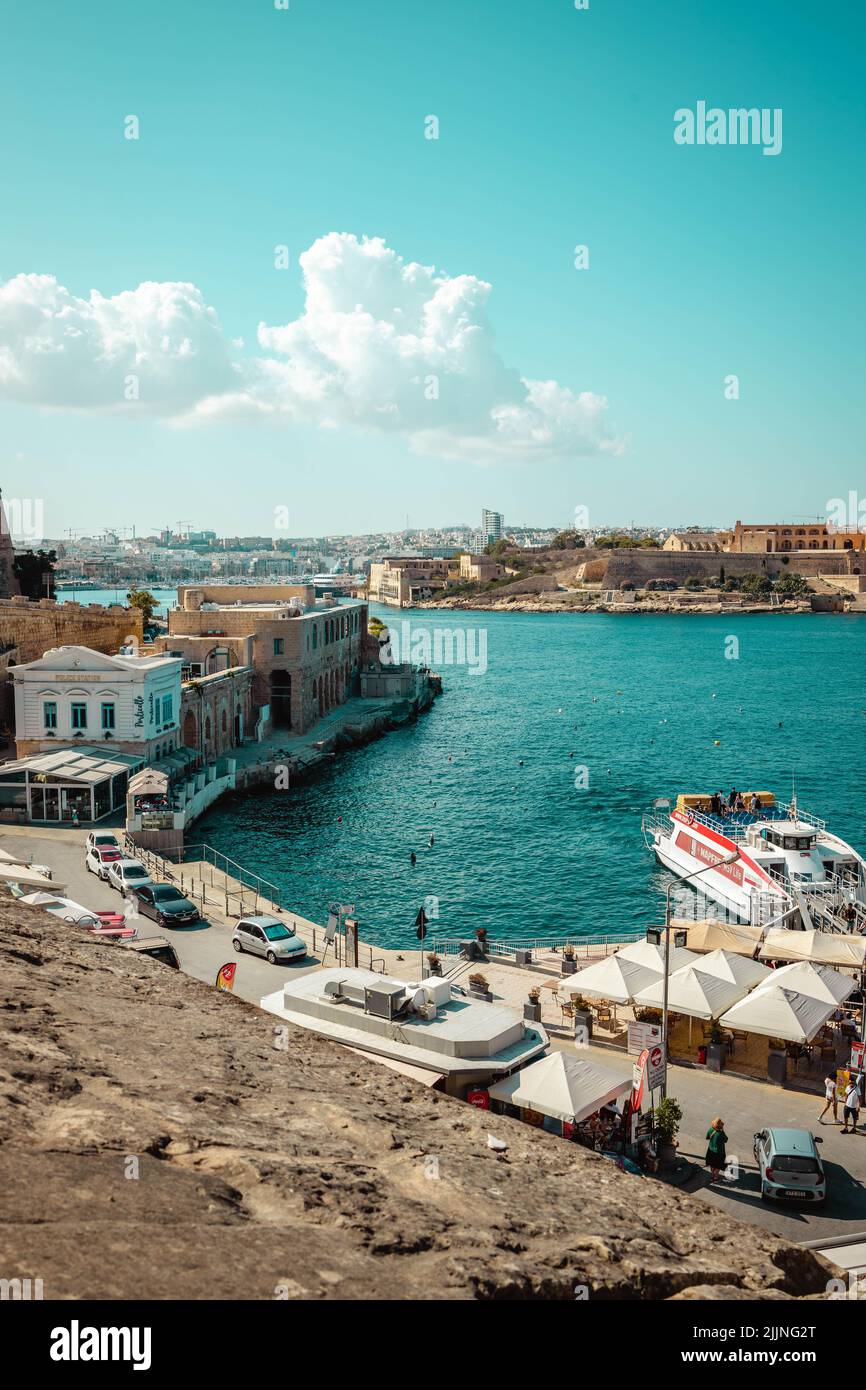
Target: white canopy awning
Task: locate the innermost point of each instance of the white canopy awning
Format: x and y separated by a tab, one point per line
739	969
818	981
645	953
562	1086
824	948
779	1013
693	992
28	878
725	936
612	978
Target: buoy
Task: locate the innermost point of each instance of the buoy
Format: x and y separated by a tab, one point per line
717	742
339	820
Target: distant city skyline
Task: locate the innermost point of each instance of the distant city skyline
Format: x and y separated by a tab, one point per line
366	287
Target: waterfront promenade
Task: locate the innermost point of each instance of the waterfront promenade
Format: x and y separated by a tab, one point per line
745	1104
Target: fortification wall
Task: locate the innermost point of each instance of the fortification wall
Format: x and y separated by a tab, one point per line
638	566
35	627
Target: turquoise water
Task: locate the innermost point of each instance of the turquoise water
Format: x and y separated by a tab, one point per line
166	597
639	701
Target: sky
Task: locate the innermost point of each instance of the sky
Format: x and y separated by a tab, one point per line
284	306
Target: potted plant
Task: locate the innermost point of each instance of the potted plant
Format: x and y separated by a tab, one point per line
582	1015
568	964
668	1116
434	964
532	1009
481	939
479	988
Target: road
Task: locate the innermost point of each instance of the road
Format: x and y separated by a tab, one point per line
745	1106
201	949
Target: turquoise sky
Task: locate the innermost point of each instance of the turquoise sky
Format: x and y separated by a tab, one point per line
262	127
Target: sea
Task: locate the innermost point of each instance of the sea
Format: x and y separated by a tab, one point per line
521	791
554	734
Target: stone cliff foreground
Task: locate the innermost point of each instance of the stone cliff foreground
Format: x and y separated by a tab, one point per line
305	1172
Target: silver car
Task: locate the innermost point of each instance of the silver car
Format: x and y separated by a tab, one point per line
790	1165
268	937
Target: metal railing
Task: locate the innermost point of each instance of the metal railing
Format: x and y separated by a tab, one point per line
201	857
583	946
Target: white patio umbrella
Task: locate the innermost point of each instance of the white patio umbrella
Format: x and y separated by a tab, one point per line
645	953
823	948
819	981
693	992
562	1086
739	969
612	978
779	1013
726	936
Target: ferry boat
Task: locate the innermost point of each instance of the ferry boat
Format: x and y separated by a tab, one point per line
774	864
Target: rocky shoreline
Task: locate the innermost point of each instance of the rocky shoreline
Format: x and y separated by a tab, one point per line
573	603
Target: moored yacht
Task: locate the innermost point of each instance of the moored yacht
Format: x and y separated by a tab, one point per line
772	863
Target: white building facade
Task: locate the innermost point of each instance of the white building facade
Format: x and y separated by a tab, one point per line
73	696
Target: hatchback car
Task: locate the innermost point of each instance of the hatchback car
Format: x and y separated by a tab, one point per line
103	839
126	874
98	859
268	937
789	1165
166	905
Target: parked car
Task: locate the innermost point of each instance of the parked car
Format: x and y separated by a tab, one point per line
268	937
157	948
64	908
98	859
789	1165
166	905
125	874
105	839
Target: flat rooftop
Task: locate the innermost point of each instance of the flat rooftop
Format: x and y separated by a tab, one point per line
467	1035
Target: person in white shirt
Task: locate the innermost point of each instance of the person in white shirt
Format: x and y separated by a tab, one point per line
852	1108
830	1098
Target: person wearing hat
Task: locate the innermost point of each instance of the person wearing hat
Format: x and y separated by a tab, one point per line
716	1157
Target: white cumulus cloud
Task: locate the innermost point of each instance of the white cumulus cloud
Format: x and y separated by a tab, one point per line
381	344
59	350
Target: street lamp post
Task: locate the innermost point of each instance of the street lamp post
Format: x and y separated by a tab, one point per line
726	859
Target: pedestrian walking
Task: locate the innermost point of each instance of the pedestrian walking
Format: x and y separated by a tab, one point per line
830	1098
717	1157
852	1108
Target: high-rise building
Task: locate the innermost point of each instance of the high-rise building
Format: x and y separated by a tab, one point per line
491	529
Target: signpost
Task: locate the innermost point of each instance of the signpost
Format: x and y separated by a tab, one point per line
421	932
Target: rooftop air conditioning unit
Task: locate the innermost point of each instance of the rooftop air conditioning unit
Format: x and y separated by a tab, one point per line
384	1000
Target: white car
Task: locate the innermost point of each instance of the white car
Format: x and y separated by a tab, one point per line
101	839
100	858
62	907
126	874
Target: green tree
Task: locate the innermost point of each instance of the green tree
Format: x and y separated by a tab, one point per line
143	599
